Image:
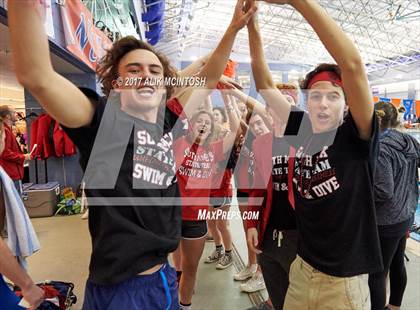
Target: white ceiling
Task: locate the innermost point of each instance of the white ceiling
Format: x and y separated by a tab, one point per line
387	33
382	29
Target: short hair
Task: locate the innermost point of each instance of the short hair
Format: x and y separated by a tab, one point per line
107	69
320	68
387	115
5	110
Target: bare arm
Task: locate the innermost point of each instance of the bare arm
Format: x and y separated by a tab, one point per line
262	76
191	70
216	64
208	105
31	57
194	67
11	269
234	123
251	103
348	58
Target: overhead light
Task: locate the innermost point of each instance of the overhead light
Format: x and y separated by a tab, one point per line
294	71
193	58
399	76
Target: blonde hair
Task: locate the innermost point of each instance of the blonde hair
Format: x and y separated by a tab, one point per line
213	129
291	88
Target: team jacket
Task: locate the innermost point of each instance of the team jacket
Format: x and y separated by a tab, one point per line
51	140
12	158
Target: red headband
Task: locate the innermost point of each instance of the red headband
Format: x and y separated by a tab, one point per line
291	93
328	76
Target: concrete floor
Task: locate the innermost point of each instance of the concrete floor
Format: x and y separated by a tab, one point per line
65	256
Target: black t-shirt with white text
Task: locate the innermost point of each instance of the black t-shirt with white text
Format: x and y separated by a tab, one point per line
282	215
333	186
131	188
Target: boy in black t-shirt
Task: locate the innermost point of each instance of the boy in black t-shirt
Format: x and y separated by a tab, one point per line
125	143
333	170
275	231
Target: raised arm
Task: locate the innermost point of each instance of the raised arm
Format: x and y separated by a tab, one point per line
262	76
189	71
234	123
208	104
348	58
213	69
194	67
251	103
31	57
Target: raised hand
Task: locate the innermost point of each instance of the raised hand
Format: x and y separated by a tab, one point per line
281	2
243	14
229	83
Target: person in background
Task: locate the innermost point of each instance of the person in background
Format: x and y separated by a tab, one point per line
135	257
221	189
11	269
335	141
276	227
401	112
196	155
220	119
12	158
396	194
255	121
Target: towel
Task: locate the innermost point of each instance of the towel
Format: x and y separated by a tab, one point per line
22	239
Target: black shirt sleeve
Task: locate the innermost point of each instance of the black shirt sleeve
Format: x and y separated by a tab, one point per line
349	134
84	137
175	119
352	144
298	127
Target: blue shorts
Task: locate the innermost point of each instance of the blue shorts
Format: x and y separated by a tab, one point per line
8	299
146	292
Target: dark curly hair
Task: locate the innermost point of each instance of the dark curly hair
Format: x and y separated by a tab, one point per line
107	69
5	110
223	112
387	115
320	68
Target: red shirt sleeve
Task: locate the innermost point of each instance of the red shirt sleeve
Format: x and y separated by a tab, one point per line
217	149
11	150
175	106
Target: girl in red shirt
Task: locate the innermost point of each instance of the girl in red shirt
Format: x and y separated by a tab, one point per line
196	158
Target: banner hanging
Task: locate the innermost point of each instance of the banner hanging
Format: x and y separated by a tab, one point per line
83	39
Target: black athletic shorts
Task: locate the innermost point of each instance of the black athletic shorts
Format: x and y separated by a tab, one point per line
241	194
193	229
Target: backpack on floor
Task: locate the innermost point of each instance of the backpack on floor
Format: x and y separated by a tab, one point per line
58	295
